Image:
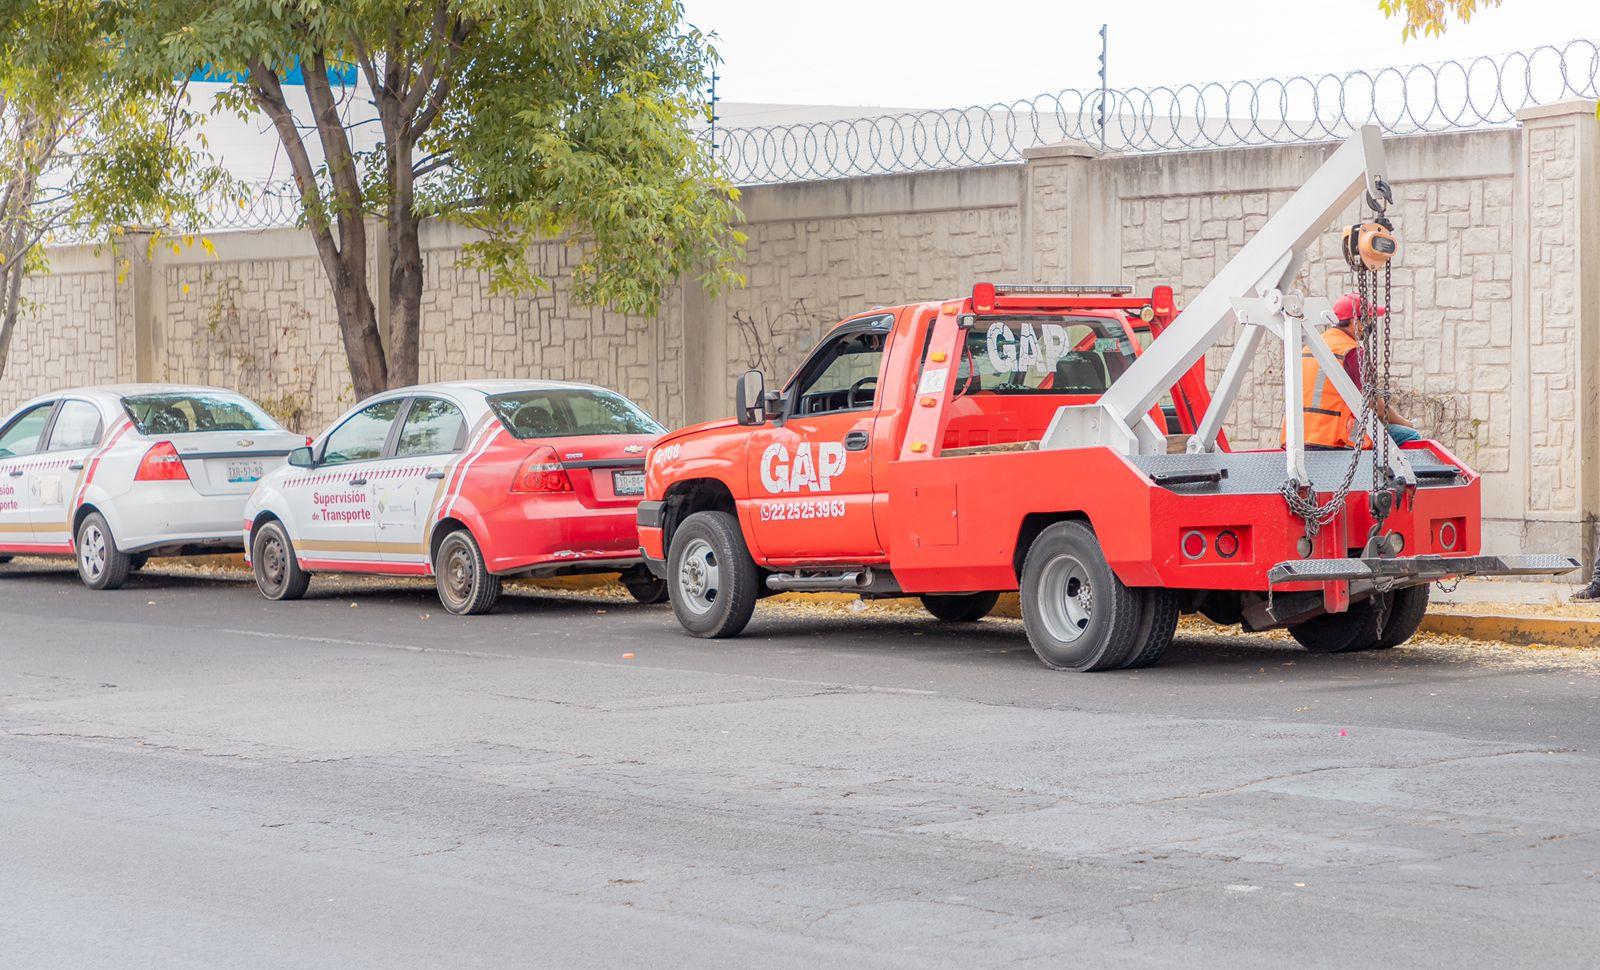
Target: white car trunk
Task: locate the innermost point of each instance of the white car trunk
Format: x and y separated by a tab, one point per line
231	462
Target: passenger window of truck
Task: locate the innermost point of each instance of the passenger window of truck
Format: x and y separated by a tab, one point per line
843	377
432	427
21	436
362	437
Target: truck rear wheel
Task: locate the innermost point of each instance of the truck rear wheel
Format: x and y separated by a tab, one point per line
960	607
1159	624
711	578
1407	607
1078	614
1357	628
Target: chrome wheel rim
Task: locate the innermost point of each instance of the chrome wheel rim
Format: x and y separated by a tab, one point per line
699	578
458	573
92	551
1066	599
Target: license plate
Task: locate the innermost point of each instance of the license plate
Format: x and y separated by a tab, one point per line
244	471
628	483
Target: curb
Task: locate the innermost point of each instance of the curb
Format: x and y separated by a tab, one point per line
1525	630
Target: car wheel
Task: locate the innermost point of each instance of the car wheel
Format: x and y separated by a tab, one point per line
466	587
1156	629
960	608
1357	628
1078	614
277	568
1407	607
711	578
101	565
136	563
4	560
643	586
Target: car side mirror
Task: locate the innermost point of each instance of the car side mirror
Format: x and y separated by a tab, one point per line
750	399
772	404
302	457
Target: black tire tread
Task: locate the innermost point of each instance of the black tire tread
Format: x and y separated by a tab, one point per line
1407	607
743	583
959	607
486	586
296	582
1161	622
1127	603
118	563
1354	629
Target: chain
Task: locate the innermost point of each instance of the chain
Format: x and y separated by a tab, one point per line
1448	589
1301	496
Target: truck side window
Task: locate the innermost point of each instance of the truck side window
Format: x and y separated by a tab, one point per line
843	376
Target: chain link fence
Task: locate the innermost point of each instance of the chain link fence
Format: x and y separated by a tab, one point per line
1480	92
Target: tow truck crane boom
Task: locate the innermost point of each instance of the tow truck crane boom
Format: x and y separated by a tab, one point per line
1250	289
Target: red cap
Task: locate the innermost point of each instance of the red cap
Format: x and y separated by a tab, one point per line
1346	306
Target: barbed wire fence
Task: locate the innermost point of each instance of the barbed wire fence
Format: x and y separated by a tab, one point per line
1454	95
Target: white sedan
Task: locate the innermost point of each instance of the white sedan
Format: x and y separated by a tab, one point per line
114	475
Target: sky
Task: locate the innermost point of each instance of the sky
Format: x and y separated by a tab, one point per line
944	53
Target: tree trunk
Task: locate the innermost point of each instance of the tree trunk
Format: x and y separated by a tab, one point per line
405	273
10	309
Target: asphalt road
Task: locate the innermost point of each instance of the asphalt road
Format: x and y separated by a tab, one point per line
193	777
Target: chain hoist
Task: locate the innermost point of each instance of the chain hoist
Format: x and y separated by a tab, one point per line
1367	247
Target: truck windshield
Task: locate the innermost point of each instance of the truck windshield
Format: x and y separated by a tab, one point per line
567	413
164	414
1043	355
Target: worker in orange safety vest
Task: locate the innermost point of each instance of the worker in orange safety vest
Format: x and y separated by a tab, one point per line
1329	422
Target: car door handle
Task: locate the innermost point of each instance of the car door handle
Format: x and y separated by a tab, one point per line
856	441
358	481
76	466
435	475
16	473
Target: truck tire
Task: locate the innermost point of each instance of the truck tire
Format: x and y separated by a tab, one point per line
1355	629
644	587
1159	624
1407	607
1078	614
101	565
961	607
277	568
710	576
466	587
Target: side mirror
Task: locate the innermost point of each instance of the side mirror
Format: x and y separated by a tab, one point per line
302	458
750	399
772	404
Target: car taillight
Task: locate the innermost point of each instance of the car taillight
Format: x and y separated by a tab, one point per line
161	464
541	471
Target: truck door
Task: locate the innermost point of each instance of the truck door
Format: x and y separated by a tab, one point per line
20	440
811	475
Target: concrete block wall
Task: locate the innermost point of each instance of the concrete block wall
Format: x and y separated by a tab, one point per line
1497	291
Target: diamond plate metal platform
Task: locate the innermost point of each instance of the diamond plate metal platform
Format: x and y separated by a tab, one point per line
1418	567
1261	472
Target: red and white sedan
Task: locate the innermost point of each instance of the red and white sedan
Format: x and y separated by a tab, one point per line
468	482
114	475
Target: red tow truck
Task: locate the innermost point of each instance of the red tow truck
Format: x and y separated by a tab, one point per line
1016	439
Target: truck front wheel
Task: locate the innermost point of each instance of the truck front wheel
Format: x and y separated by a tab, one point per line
960	607
711	578
1078	614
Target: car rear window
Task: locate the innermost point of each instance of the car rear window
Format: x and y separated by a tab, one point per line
567	413
162	414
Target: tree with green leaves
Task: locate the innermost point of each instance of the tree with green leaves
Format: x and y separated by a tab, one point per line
1431	17
84	152
525	120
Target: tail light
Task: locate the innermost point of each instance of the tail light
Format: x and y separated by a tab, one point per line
541	471
161	464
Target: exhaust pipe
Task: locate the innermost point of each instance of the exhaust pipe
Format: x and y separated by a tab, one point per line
832	583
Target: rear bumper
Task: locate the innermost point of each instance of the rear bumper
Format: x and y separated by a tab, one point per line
1416	570
158	514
